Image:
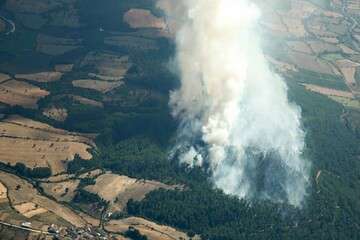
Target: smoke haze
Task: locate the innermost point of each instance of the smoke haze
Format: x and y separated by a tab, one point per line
236	120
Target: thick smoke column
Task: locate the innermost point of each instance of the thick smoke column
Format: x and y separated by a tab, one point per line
235	116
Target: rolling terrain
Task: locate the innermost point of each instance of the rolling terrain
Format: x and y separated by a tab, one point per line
85	126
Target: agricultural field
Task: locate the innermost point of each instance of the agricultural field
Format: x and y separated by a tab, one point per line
39	145
152	230
42	77
17	93
101	86
86	129
118	190
140	18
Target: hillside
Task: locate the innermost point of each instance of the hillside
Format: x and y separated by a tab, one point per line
85	124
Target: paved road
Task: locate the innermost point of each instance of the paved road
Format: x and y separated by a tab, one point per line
24	228
10	25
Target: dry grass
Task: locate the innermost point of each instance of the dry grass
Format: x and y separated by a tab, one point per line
328	91
37	144
44	131
310	62
348	69
29	209
152	230
118	190
3	193
321	47
4	77
141	18
108	66
101	86
34	153
42	77
61	191
20	93
20	192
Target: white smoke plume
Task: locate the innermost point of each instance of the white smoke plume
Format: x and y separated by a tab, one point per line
236	119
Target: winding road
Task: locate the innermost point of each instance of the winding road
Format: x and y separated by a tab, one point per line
10	25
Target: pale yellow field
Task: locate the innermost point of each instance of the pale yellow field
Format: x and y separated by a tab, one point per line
141	18
348	69
18	126
118	190
3	193
4	77
152	230
101	86
41	76
35	153
328	91
20	192
20	93
37	144
108	66
29	209
61	191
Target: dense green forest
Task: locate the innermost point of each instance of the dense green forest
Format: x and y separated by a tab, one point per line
330	212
